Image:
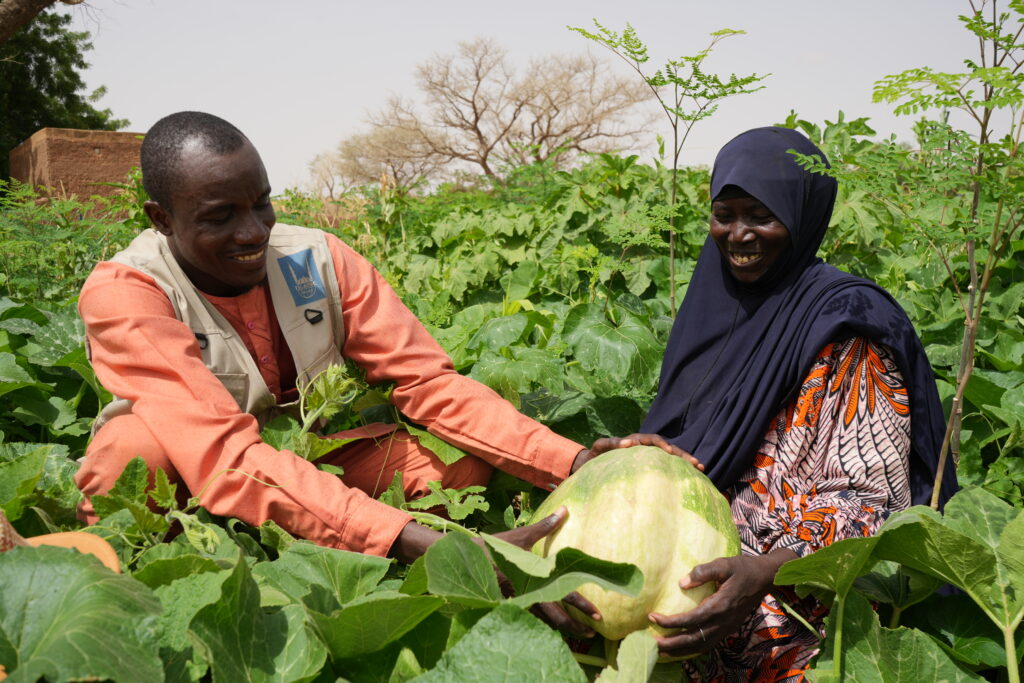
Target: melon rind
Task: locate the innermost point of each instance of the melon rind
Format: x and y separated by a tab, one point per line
651	509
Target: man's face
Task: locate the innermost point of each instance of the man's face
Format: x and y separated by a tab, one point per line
219	220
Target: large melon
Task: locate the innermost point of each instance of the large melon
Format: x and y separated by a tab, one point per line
646	507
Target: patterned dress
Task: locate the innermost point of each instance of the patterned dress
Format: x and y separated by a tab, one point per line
833	465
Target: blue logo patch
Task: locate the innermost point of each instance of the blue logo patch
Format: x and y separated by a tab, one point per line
302	277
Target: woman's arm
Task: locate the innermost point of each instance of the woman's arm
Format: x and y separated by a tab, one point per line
833	465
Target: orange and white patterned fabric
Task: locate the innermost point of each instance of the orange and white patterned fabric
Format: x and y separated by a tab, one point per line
833	465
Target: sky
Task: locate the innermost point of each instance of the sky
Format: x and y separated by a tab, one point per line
297	77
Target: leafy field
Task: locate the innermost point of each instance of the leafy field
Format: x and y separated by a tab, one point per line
552	287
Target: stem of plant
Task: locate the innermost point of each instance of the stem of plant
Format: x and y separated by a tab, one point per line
1012	666
837	643
590	659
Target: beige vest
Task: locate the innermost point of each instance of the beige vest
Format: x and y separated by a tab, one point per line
307	301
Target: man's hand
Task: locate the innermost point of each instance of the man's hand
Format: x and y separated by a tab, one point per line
743	581
610	443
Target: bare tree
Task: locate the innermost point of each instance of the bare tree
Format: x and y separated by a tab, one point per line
575	105
478	113
397	152
16	13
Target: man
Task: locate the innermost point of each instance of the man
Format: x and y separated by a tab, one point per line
203	326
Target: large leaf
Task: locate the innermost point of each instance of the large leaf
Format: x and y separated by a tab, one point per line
635	660
18	479
969	548
67	617
896	585
246	644
370	623
546	579
628	352
830	570
13	376
458	569
323	578
875	654
958	624
509	644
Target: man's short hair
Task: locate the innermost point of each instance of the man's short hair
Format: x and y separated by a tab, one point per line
163	144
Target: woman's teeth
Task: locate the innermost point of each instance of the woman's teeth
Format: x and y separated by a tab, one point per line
744	258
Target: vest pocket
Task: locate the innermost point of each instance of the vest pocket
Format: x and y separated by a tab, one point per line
237	384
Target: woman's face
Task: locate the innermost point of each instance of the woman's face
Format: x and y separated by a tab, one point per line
749	236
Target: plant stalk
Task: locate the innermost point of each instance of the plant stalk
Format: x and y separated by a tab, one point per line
1012	666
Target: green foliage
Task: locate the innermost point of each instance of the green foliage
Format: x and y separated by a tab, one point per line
239	603
40	83
686	92
49	245
955	202
974	546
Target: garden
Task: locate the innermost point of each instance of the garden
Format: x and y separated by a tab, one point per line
557	288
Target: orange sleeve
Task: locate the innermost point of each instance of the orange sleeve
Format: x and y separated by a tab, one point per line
141	352
384	337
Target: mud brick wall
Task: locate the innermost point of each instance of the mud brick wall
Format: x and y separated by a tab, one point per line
74	161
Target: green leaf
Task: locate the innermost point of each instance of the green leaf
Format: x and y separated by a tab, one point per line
14	377
272	535
962	628
458	503
161	572
246	644
872	653
298	654
370	623
458	570
548	579
322	578
896	585
830	570
628	352
182	599
68	617
509	644
18	479
634	663
446	453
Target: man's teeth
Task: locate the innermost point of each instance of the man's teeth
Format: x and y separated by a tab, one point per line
744	258
250	257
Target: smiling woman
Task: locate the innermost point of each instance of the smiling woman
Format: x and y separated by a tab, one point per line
805	393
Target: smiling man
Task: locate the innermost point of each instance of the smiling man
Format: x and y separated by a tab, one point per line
206	323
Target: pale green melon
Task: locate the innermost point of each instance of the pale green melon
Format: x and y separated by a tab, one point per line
646	507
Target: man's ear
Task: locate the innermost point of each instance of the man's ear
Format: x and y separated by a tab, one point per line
158	216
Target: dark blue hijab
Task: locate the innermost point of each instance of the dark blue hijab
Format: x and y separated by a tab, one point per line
738	353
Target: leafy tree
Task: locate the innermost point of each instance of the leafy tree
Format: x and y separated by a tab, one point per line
16	13
40	83
686	92
960	192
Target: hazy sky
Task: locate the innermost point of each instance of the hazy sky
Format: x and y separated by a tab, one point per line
297	77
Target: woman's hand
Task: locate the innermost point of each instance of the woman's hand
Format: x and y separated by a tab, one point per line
743	581
551	612
610	443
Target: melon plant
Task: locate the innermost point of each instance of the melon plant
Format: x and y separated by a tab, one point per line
651	509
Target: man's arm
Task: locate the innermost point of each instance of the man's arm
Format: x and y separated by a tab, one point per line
386	339
141	352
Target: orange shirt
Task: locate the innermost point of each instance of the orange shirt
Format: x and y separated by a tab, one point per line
141	352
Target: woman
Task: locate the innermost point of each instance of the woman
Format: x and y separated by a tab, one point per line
803	390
